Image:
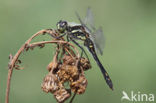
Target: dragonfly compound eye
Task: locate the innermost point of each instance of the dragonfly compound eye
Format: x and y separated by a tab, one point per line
61	26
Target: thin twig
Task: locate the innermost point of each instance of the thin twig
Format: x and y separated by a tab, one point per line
27	45
55	41
71	100
15	58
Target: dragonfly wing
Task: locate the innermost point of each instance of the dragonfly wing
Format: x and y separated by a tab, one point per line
96	35
89	19
99	40
82	22
79	19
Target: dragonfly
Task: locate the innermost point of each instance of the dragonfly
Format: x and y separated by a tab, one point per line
86	32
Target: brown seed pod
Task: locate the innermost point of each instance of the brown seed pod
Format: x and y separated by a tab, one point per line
66	71
52	65
68	60
84	64
50	83
62	94
79	86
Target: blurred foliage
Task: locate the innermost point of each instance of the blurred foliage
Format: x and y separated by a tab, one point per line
129	54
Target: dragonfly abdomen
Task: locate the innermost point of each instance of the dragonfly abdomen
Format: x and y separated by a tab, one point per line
91	49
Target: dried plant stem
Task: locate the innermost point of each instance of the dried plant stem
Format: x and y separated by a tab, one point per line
55	41
14	59
12	63
71	100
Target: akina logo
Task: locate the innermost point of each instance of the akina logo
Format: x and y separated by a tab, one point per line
137	96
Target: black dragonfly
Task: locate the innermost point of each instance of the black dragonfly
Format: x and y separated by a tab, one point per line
90	37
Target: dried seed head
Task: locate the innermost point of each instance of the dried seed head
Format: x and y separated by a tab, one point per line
66	71
68	60
84	64
50	83
62	94
79	86
63	76
52	65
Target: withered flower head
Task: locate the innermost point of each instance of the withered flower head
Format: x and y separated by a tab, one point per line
66	66
85	64
79	86
62	94
68	60
50	83
69	69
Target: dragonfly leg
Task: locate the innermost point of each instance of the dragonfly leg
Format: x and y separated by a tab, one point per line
60	36
80	48
57	37
67	38
81	52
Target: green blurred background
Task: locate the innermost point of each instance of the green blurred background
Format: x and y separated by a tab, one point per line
129	56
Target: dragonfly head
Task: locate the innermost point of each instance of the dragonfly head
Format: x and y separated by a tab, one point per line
62	26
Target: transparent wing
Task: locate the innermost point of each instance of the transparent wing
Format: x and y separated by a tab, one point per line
82	23
96	35
89	19
99	40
